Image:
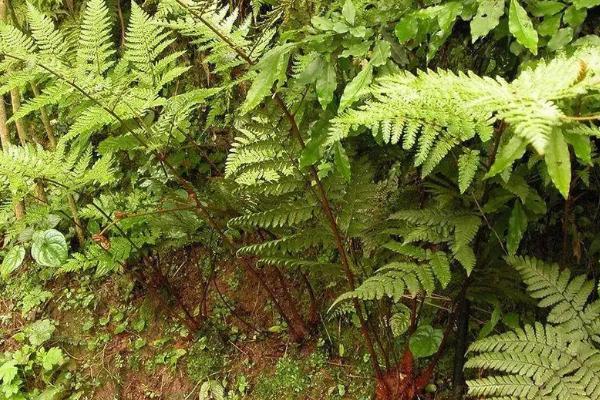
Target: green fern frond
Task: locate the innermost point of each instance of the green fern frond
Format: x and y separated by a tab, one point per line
566	296
95	47
221	18
48	39
295	263
438	110
555	364
295	243
396	278
468	163
145	41
22	165
51	95
504	387
280	216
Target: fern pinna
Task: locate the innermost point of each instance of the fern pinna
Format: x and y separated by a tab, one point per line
557	360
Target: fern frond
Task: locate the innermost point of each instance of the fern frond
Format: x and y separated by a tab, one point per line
555	365
95	47
396	278
145	41
280	216
566	296
48	39
468	163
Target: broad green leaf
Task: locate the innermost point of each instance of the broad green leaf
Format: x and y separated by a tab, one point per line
270	69
321	23
381	53
8	372
448	13
52	358
13	260
342	162
39	331
487	18
353	90
49	248
425	341
54	393
581	145
574	17
356	49
521	26
446	16
586	3
558	162
359	31
349	12
507	154
312	71
517	225
326	84
491	324
511	320
340	27
546	8
561	38
407	28
318	135
549	25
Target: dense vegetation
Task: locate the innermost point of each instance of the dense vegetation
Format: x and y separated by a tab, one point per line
299	199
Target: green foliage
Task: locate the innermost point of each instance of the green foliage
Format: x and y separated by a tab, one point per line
49	248
416	110
383	160
288	380
557	360
425	341
31	359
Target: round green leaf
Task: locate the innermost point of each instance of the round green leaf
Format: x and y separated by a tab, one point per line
407	28
49	248
425	341
13	260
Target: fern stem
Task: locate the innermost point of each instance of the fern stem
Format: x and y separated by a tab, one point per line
582	118
4	133
45	120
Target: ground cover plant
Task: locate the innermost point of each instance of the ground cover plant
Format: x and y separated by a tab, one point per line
261	199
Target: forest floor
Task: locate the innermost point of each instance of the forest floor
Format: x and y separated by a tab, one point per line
125	342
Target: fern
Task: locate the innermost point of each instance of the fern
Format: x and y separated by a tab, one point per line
553	361
468	163
439	225
396	278
223	19
437	121
22	165
95	48
48	39
568	297
145	42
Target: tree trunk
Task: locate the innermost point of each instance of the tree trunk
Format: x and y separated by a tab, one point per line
461	348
